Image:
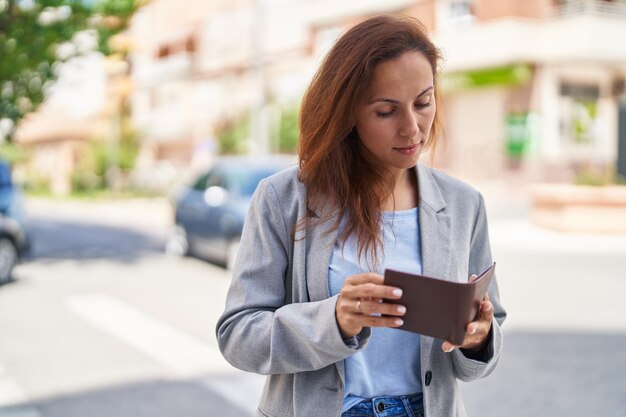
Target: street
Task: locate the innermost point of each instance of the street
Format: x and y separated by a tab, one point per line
100	322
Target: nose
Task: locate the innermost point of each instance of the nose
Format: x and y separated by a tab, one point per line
408	125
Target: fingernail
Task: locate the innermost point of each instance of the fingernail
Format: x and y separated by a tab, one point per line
397	292
401	309
473	331
448	350
399	322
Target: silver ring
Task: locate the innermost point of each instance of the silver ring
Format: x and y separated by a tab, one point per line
358	306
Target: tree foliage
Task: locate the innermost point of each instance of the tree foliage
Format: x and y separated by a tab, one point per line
289	131
232	136
36	35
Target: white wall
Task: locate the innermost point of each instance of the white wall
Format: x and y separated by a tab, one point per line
475	132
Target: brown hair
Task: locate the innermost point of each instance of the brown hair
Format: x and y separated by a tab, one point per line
332	164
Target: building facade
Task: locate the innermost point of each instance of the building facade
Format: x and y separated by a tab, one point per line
532	87
210	64
531	90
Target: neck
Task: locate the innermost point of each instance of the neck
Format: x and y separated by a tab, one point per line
404	195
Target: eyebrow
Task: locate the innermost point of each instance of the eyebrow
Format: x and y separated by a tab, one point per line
390	100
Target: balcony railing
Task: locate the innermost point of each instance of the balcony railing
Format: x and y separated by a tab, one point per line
591	7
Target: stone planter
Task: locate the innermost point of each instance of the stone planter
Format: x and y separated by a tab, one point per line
577	208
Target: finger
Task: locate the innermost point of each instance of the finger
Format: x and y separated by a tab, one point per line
371	281
375	321
376	307
347	306
486	297
370	291
472	328
448	347
486	311
358	279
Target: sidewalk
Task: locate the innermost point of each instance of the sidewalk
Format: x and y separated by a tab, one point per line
137	213
553	280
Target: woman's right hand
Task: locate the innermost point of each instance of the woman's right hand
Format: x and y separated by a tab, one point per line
362	303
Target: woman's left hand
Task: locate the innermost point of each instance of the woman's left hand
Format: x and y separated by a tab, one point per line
476	332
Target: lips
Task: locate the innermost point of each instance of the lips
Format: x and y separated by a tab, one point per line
407	150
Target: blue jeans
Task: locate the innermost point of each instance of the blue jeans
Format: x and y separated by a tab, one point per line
401	406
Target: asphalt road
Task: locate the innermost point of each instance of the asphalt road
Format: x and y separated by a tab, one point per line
101	323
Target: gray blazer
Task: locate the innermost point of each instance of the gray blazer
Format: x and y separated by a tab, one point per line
279	318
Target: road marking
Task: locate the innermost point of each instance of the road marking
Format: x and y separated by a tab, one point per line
180	353
10	392
13	401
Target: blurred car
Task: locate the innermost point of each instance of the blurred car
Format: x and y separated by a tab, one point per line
14	240
209	214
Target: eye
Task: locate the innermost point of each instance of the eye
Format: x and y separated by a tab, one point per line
384	114
423	104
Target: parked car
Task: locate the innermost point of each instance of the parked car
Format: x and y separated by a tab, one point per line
14	239
209	214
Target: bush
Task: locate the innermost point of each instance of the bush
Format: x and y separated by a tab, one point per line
100	158
598	177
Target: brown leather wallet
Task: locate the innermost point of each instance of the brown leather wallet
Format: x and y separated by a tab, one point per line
436	307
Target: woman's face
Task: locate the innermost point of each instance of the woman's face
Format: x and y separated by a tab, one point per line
396	114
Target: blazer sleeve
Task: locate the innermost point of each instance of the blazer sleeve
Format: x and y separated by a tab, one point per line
258	332
465	368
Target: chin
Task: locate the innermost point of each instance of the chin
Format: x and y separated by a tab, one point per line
408	163
411	161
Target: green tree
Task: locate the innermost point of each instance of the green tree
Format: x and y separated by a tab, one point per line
288	132
36	35
98	157
232	135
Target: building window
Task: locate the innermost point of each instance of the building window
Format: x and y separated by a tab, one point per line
460	9
574	7
164	51
579	113
453	13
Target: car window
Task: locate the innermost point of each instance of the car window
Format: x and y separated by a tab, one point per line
210	179
200	184
215	179
245	180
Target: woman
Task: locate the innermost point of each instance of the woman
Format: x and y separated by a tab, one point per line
307	305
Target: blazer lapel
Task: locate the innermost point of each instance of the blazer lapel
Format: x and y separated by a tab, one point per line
435	226
320	241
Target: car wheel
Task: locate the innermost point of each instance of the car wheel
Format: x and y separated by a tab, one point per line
177	244
231	253
8	259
